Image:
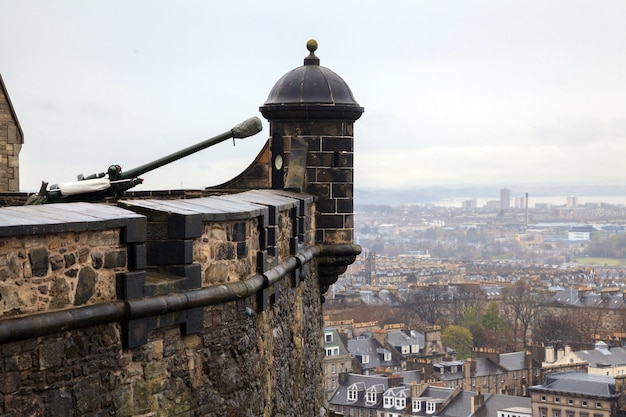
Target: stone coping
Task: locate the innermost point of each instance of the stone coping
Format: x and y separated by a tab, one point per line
78	217
240	206
61	218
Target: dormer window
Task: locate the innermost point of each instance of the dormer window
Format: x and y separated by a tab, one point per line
328	337
406	349
387	356
388	401
417	405
400	403
431	406
370	397
353	394
332	351
365	359
415	348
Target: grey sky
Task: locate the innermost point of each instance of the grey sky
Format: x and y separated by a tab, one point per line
455	92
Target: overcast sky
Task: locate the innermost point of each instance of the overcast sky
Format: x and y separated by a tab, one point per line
456	93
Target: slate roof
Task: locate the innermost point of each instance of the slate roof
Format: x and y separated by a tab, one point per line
336	341
514	361
399	338
340	397
579	383
360	346
485	366
448	375
495	402
570	296
603	356
365	383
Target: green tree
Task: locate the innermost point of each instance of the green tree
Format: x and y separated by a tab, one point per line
491	319
458	338
479	335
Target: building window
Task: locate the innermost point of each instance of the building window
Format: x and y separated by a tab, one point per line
400	403
430	407
556	400
556	413
365	359
333	368
417	406
543	398
543	412
332	351
370	397
352	394
333	384
387	401
570	402
598	405
584	403
328	337
569	414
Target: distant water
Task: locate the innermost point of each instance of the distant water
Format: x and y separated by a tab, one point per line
553	201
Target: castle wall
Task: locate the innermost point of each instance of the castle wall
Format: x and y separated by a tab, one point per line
255	355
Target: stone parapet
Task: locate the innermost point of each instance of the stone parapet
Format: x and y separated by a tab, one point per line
183	330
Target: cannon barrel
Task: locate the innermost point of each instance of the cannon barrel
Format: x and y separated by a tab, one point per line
99	187
244	129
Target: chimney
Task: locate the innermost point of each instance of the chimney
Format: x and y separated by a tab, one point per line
417	389
380	335
476	402
469	368
549	354
559	354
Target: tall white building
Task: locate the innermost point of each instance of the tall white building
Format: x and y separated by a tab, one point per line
505	199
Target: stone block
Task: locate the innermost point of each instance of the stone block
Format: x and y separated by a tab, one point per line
332	144
39	261
115	259
239	232
169	252
51	353
184	226
333	175
130	284
85	286
137	256
329	221
9	382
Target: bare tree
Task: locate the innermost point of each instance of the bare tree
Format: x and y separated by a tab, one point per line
521	306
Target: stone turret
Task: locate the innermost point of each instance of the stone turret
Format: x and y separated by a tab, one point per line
311	111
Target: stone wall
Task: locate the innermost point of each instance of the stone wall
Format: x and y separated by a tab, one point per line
11	140
257	355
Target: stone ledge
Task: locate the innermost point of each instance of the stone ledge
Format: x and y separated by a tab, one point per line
74	217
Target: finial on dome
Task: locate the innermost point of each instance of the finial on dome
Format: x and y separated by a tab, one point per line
311	45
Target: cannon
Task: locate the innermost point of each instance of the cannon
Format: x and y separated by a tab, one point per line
115	182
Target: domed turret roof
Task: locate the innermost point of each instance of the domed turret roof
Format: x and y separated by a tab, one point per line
311	92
